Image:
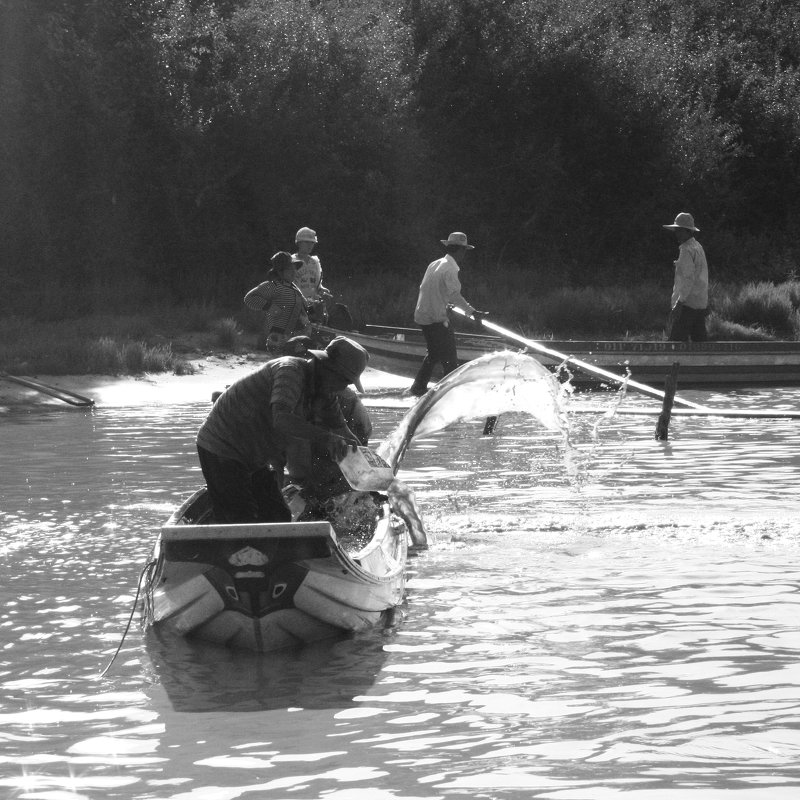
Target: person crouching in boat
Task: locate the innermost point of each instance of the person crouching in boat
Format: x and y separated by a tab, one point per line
243	443
282	301
308	467
353	409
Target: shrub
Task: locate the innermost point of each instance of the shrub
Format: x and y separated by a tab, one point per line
227	333
104	357
764	305
725	330
160	358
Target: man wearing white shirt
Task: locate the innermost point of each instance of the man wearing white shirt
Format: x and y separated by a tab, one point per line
689	304
440	287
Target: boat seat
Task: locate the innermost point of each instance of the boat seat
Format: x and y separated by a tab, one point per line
249	530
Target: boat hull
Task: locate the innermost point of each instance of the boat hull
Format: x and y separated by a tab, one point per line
708	364
264	587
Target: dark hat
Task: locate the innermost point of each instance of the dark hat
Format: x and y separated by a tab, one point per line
281	260
297	346
457	238
346	358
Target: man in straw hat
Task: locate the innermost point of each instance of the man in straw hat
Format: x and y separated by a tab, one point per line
441	287
243	443
687	317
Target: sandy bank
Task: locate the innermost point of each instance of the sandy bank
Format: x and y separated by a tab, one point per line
213	373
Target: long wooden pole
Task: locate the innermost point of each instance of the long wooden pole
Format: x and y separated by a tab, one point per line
60	394
577	362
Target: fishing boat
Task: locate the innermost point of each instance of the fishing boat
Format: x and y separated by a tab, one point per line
701	365
268	586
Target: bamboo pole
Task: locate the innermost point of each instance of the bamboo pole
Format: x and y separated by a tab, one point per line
53	391
577	362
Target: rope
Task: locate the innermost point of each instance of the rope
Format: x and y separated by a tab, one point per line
147	568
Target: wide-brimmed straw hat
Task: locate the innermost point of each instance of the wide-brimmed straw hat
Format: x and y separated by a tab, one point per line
457	238
344	357
683	220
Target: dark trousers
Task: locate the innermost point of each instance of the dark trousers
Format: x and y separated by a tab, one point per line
239	495
441	342
687	324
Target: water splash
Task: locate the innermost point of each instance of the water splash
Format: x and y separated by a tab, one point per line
486	387
493	384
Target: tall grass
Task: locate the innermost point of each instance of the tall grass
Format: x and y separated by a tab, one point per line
512	296
106	356
61	348
134	342
770	307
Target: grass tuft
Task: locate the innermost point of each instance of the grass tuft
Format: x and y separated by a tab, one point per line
227	333
725	330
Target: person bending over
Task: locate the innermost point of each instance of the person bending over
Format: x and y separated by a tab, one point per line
243	443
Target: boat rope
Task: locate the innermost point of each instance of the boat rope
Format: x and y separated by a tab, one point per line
146	570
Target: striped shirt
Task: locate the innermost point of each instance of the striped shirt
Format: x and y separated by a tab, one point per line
283	303
240	424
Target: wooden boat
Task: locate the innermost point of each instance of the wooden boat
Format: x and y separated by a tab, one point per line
268	586
401	350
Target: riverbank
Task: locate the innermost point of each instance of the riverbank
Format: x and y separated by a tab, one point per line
211	372
184	351
167	338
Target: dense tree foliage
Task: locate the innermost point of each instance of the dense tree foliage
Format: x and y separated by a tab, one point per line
164	148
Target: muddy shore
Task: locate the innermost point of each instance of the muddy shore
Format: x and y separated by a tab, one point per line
212	373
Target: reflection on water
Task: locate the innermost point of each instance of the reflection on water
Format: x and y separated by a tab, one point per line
200	677
629	627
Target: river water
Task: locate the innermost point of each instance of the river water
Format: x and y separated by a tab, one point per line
623	622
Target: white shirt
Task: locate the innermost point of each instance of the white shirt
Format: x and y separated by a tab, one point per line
440	286
691	276
308	276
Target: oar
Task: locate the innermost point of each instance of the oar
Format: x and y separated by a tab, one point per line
60	394
577	362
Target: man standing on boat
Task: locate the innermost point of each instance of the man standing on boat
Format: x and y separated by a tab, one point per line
687	317
440	288
243	443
